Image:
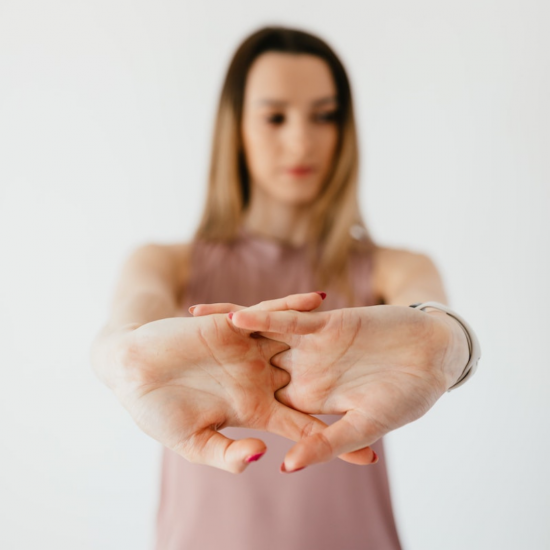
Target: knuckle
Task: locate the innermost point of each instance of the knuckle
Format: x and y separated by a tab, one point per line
367	426
185	449
192	448
309	429
323	445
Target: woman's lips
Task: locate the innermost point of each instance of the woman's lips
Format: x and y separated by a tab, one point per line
300	170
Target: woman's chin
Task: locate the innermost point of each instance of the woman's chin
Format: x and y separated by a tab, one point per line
298	197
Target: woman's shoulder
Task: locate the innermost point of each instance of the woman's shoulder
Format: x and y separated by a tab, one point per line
390	258
392	265
180	257
172	259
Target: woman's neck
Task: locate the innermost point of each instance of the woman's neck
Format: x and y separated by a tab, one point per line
279	221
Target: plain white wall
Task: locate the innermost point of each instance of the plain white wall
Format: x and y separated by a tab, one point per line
106	111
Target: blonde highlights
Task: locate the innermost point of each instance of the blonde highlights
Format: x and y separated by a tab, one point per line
336	208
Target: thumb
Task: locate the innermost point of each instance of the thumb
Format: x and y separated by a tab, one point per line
352	432
299	426
212	448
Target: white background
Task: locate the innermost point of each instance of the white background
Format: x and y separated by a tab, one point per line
106	111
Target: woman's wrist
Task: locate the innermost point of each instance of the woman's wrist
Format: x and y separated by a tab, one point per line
474	349
457	352
107	354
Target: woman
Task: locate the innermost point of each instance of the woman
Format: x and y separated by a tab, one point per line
281	219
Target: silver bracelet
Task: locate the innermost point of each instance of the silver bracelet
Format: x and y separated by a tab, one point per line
473	342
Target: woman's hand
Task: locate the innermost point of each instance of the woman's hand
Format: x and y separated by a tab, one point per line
381	367
184	379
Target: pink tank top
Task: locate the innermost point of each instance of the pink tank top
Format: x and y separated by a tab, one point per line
332	506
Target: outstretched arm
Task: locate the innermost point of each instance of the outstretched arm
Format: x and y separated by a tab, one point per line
381	366
184	379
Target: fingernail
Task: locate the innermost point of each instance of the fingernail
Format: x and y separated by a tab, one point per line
285	471
322	294
191	309
255	457
230	315
374	458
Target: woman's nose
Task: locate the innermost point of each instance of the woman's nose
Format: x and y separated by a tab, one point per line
299	138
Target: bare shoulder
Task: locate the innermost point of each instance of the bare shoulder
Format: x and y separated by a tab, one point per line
181	256
394	268
390	261
170	260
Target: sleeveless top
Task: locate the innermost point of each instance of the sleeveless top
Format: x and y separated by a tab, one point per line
330	506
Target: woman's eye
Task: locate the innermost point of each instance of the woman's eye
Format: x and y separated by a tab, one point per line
276	119
328	116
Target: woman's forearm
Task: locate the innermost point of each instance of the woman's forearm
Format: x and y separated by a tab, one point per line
147	291
145	306
126	316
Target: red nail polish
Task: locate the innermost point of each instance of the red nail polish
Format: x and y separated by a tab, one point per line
255	457
230	315
374	458
285	471
322	294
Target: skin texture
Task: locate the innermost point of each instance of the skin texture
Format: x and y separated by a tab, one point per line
381	367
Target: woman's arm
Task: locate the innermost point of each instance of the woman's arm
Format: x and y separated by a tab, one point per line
149	288
182	379
380	366
150	285
401	278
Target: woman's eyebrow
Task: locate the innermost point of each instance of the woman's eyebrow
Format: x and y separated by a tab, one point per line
281	103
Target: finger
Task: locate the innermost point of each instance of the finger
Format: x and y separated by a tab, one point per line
280	378
353	431
212	448
296	426
287	360
279	322
201	310
362	457
292	424
269	348
298	302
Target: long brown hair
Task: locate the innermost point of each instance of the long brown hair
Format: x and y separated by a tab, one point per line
335	211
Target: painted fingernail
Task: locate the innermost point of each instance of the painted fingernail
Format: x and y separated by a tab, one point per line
285	471
191	309
374	458
230	315
255	457
322	294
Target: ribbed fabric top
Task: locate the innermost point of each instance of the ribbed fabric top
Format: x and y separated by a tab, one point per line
332	506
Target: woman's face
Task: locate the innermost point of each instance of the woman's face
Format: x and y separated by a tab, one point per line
289	126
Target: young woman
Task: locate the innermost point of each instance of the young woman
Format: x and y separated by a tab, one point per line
281	220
